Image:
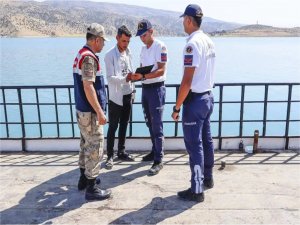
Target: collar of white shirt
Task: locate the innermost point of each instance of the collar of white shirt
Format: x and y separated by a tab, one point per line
119	53
192	34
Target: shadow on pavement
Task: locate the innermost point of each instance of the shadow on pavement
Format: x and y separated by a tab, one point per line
59	195
156	211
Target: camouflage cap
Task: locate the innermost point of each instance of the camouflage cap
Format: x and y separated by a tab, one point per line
97	30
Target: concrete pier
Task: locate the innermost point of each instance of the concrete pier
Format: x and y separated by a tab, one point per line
41	188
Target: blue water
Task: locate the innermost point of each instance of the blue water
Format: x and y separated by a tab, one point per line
48	61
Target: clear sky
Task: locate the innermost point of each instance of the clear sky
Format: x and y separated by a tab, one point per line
279	13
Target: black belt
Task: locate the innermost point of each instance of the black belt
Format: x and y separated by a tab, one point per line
200	94
129	95
157	84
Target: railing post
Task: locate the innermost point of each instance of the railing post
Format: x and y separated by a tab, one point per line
71	111
220	117
130	122
131	116
22	119
5	113
242	110
265	109
176	122
56	113
287	121
39	112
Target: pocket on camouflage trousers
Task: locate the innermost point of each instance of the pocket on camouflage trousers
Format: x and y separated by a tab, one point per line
84	120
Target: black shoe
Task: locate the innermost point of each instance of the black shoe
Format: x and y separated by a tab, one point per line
156	167
109	163
93	192
188	195
149	157
82	183
125	156
208	183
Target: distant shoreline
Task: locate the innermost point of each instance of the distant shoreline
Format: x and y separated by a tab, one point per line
214	34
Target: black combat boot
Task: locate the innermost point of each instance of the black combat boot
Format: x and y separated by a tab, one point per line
93	191
82	180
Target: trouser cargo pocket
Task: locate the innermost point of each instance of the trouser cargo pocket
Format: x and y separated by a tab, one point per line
84	120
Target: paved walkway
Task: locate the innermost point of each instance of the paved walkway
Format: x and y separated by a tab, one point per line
251	189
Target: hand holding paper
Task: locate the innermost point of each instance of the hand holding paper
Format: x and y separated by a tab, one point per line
138	75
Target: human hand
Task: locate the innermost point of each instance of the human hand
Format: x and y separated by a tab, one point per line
136	76
128	77
175	116
101	118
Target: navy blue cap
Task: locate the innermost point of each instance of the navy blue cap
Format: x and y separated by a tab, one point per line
143	26
192	10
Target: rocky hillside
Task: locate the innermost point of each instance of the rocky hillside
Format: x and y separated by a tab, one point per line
70	18
260	31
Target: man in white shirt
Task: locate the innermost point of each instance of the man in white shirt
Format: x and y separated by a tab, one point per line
198	101
153	91
118	73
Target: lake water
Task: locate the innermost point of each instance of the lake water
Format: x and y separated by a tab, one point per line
48	61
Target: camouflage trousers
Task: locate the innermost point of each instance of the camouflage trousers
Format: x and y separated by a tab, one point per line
91	143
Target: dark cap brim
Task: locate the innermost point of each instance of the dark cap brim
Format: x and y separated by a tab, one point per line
182	15
141	32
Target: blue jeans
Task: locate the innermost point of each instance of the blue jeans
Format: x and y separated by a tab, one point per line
197	138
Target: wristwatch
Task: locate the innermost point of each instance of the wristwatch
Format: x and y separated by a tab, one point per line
175	110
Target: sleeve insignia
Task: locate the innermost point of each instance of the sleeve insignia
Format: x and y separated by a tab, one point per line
188	60
163	57
189	49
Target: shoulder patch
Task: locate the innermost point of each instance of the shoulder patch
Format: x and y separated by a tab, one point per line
163	49
189	49
188	60
163	57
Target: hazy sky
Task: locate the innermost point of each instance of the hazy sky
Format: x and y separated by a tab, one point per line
280	13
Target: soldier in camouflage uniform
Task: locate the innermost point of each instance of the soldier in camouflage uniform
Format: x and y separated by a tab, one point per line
90	99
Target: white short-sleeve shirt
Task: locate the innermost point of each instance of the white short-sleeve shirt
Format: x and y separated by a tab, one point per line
157	53
199	52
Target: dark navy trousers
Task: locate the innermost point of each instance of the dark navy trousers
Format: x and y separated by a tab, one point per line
197	138
153	101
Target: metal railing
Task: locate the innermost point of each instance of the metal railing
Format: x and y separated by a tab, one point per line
16	101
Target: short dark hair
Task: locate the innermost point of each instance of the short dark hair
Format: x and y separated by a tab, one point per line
90	36
197	20
124	30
